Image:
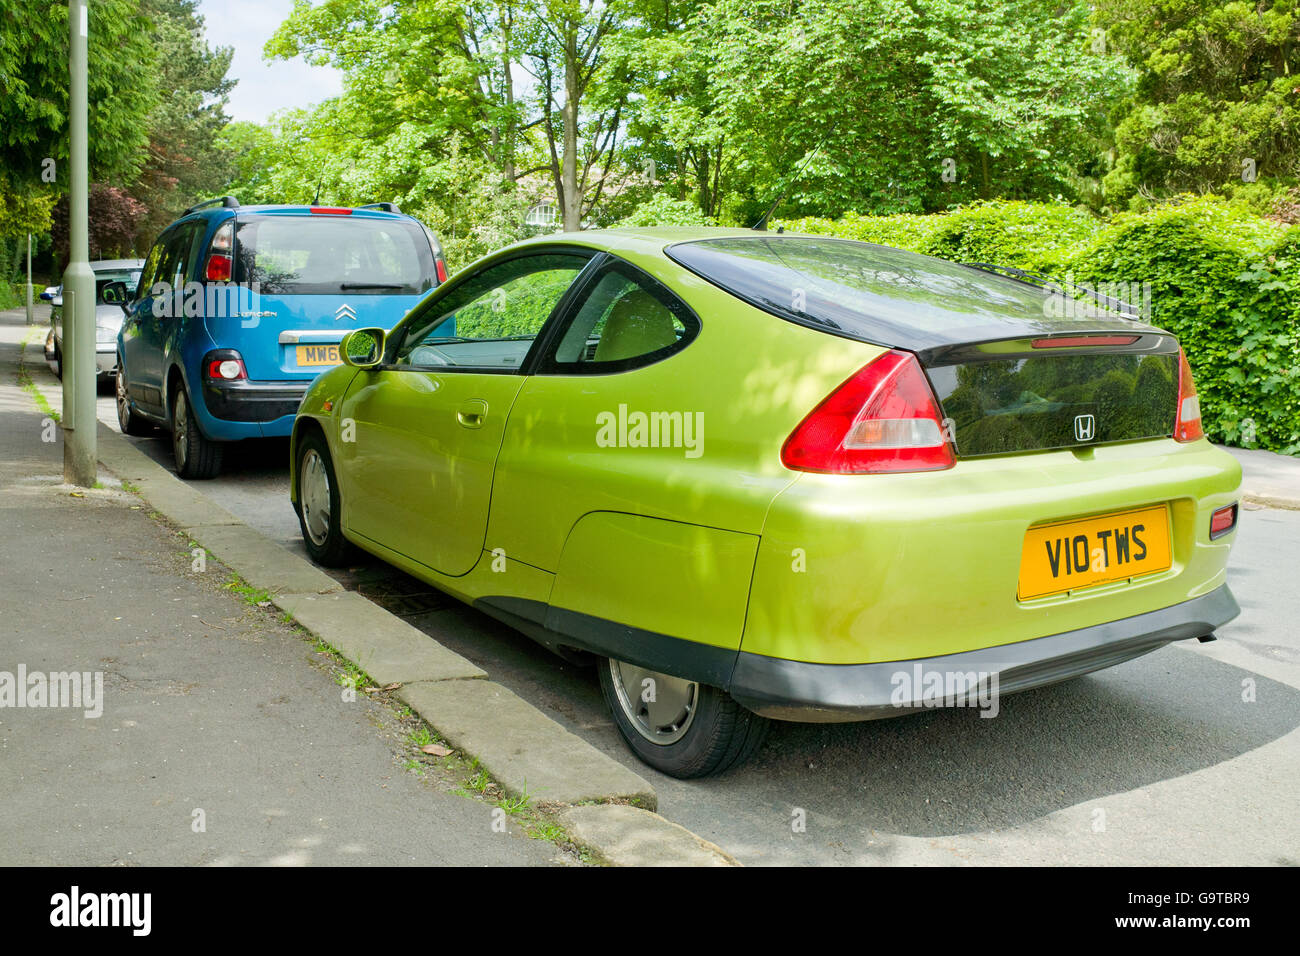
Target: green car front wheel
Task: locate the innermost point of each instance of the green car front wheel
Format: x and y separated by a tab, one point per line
319	507
682	728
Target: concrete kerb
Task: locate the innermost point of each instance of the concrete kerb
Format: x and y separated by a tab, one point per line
629	836
1271	501
516	743
1268	479
522	748
382	644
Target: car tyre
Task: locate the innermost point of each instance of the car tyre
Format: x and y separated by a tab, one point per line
319	505
689	730
127	420
197	457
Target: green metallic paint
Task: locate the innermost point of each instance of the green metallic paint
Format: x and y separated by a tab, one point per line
919	565
848	568
420	465
660	576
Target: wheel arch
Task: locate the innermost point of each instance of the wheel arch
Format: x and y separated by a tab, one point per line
303	425
671	590
175	379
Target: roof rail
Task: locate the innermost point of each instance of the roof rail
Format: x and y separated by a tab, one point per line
229	202
385	206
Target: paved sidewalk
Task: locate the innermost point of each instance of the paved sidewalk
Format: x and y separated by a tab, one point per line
212	710
1268	478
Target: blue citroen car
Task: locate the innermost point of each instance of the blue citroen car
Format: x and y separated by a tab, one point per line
238	308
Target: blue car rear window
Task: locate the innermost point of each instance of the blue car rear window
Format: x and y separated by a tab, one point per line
332	255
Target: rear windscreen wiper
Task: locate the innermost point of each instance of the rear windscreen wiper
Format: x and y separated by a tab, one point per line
370	285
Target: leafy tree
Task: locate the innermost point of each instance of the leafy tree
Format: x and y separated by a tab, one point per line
114	220
1217	102
419	78
122	89
23	210
185	160
1007	99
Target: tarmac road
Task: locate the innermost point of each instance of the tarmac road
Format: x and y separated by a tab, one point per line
1190	755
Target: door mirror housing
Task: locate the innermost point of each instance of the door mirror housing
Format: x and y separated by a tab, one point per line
362	348
114	293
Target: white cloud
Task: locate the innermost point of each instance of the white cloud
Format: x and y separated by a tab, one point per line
263	87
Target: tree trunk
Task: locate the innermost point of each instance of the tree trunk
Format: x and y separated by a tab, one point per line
572	198
507	46
705	181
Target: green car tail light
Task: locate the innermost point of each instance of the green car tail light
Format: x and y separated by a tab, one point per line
1187	427
883	419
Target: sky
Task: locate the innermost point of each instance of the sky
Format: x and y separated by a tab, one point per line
263	87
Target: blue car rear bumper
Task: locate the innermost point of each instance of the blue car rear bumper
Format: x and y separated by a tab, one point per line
230	411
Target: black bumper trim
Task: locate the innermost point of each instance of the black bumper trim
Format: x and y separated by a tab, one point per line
828	693
246	401
562	630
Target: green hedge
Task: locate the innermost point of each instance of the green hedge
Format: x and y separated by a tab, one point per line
13	294
1037	236
1222	279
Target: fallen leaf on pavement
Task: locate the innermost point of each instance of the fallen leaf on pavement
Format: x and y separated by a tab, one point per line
437	750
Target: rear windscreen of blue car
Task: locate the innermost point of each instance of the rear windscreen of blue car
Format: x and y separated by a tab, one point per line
332	255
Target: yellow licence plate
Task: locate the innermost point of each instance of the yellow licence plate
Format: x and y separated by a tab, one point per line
318	355
1066	555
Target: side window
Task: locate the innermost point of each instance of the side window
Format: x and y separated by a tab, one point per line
150	273
177	255
491	319
625	321
187	244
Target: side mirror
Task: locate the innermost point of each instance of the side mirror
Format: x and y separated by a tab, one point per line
49	293
362	348
114	293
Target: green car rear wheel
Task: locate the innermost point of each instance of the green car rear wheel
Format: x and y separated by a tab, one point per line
679	727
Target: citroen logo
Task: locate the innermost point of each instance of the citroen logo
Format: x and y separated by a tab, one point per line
1085	427
345	311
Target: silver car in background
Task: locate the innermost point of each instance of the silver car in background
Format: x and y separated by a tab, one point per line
115	284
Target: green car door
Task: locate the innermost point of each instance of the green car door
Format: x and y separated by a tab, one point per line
419	435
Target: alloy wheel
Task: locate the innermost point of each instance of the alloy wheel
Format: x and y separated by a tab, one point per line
314	493
660	707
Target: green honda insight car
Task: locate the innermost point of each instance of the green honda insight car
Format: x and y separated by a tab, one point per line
761	476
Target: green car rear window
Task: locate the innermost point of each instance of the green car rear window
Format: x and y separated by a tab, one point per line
868	292
1057	401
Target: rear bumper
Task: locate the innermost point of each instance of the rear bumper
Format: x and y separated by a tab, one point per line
106	362
247	401
105	357
795	690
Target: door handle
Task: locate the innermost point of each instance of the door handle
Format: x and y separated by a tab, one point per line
472	413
